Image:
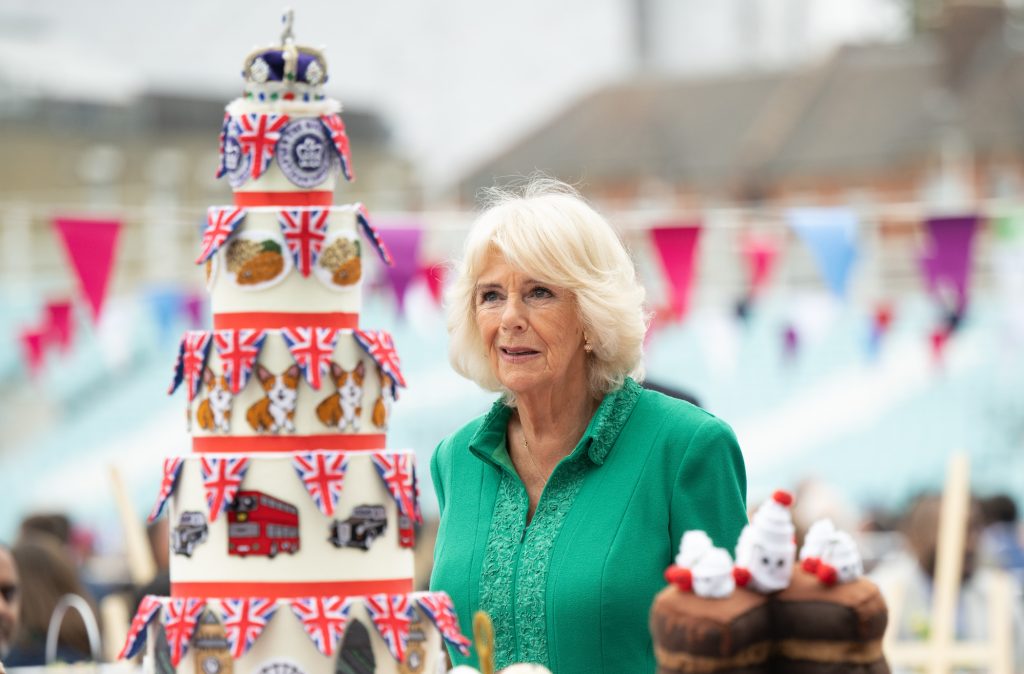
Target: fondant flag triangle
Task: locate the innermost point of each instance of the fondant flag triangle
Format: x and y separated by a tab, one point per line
312	349
172	469
304	231
221	222
244	620
324	619
238	350
258	135
136	638
391	614
363	217
192	355
222	478
221	166
180	616
336	129
381	347
398	473
438	607
323	474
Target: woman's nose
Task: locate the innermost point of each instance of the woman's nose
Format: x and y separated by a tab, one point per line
513	316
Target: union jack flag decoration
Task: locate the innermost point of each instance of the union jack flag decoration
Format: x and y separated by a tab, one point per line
180	616
258	134
398	473
137	632
221	168
172	469
391	614
323	474
381	347
336	129
324	619
244	620
192	355
438	607
312	349
238	350
221	222
363	218
304	231
222	478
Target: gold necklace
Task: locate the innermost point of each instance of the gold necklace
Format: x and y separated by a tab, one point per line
529	455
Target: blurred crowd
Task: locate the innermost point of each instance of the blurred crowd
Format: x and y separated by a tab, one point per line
51	558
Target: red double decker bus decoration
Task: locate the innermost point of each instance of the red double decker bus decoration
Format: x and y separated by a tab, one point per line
259	524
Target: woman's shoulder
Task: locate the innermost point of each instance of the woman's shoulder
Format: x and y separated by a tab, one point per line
681	414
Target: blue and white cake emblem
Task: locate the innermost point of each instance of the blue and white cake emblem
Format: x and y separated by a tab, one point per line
236	160
303	152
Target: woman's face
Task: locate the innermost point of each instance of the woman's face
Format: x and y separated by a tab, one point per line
531	330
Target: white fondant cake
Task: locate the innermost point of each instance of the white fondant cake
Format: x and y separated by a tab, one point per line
292	525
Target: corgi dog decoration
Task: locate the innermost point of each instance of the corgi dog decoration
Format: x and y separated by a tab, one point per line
214	413
344	407
382	408
275	412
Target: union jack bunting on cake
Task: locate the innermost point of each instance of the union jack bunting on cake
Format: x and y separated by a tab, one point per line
221	167
391	614
381	347
221	222
312	349
438	607
172	469
192	355
180	617
238	350
324	619
222	478
258	134
323	474
363	217
304	232
244	620
136	638
336	128
398	473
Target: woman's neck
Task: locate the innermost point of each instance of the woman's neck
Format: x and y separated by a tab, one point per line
553	420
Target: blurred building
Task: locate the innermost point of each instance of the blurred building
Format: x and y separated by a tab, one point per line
933	119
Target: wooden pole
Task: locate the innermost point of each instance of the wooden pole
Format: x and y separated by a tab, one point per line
141	566
949	561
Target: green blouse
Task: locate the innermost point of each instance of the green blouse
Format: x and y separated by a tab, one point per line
573	589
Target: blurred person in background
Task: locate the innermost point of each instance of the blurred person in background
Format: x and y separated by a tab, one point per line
910	574
562	507
10	601
1001	539
159	543
46	574
55	525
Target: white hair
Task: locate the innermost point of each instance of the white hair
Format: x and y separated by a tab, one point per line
549	232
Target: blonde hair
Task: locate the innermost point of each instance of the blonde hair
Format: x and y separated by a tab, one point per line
548	231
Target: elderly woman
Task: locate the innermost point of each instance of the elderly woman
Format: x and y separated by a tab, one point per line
563	505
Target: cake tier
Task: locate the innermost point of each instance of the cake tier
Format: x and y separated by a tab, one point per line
292	525
297	389
227	636
280	266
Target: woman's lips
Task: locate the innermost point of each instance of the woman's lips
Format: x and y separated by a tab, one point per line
517	354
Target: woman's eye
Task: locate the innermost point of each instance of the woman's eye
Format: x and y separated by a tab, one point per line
541	291
488	296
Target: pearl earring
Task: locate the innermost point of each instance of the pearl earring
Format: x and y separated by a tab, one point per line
587	346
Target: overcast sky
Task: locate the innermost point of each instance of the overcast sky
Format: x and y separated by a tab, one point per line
457	80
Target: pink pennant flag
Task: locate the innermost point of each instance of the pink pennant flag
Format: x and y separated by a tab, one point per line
434	274
676	245
404	246
33	347
58	324
760	252
91	246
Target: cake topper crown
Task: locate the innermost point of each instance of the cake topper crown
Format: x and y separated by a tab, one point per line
288	71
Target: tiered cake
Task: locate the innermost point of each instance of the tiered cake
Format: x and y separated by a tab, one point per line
291	524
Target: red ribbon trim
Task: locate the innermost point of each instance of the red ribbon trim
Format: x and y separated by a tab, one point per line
283	199
274	320
286	443
278	590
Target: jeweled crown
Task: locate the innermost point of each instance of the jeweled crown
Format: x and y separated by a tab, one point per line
287	72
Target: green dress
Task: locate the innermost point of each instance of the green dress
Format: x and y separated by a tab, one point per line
573	589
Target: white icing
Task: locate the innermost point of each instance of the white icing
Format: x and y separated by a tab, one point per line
317	559
766	547
242	106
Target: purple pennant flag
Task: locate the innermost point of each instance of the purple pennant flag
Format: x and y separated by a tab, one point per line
404	244
947	261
